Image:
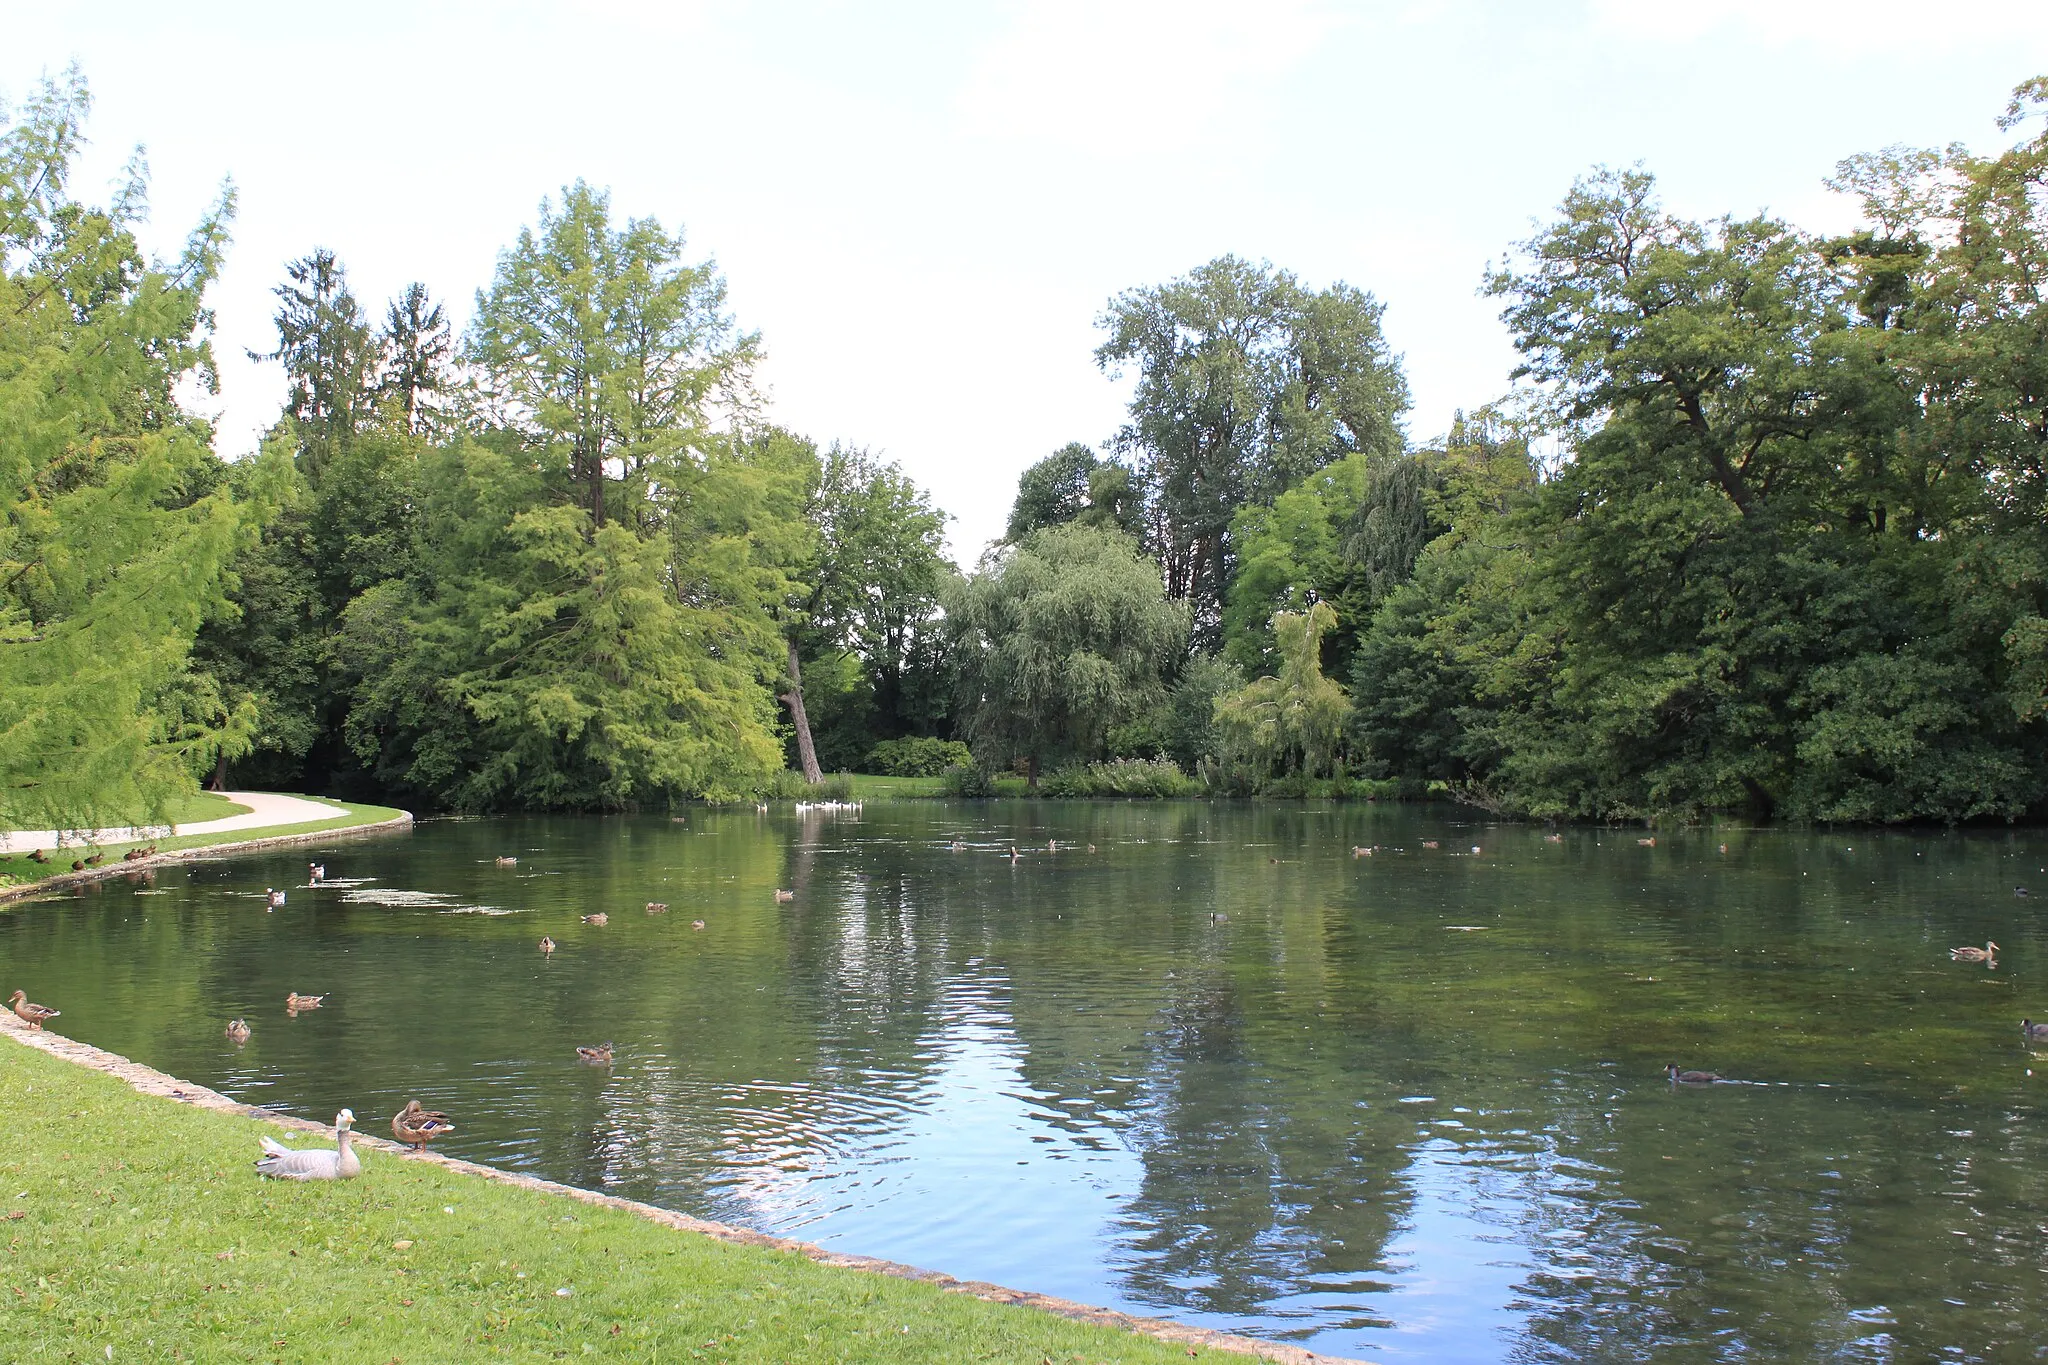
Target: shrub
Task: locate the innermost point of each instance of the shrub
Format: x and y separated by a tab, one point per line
916	756
1131	777
790	786
966	780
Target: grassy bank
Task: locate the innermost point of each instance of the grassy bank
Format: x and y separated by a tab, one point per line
140	1227
867	787
19	870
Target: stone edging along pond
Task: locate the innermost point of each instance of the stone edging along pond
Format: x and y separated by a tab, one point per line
403	820
149	1081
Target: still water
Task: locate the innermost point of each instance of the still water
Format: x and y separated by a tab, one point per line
1410	1106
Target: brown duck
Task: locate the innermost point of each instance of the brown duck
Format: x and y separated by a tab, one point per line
416	1127
29	1012
595	1056
238	1031
295	1002
1691	1077
1984	954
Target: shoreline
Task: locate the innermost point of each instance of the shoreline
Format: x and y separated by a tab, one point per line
148	1081
392	824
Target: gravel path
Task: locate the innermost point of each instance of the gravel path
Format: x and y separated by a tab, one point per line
265	810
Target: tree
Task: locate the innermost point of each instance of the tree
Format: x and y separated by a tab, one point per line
417	344
330	355
1294	721
1247	382
116	528
1057	640
600	348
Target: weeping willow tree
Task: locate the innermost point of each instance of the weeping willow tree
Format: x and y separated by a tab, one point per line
1292	722
116	526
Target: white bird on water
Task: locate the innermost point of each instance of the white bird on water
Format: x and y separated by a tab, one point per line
288	1163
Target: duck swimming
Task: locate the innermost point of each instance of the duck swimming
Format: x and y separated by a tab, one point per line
238	1031
595	1056
1984	954
1691	1077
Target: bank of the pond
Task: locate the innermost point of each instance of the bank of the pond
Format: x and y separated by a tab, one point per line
135	1228
20	876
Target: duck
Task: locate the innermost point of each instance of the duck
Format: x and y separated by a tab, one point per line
1091	848
957	846
295	1002
2039	1032
1360	851
416	1127
1650	842
28	1011
1429	843
316	1163
781	895
238	1031
273	899
1984	954
1690	1077
77	865
657	907
315	872
547	945
1052	845
94	859
38	856
506	862
599	918
1553	838
595	1056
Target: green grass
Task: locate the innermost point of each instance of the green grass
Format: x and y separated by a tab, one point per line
142	1228
867	787
200	806
18	870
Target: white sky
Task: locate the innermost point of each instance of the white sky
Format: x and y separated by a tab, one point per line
923	207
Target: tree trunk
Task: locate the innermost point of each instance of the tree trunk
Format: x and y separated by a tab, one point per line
1031	773
806	751
220	772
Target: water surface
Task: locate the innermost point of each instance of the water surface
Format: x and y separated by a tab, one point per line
1408	1106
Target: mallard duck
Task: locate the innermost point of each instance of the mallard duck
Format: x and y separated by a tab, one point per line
416	1127
38	856
285	1163
1091	848
657	907
1360	851
77	865
2027	1026
1984	954
1690	1077
1052	845
28	1012
1650	842
547	945
315	872
595	1056
1429	843
296	1002
507	862
599	918
273	899
957	846
781	895
238	1031
94	859
696	924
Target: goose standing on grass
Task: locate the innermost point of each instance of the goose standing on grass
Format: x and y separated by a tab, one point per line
238	1031
28	1012
416	1127
1984	954
285	1163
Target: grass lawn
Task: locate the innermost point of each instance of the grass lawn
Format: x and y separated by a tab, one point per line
202	806
135	1223
870	788
17	870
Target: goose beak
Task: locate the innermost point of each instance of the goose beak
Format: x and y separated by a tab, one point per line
344	1118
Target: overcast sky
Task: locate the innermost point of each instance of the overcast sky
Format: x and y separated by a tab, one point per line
923	207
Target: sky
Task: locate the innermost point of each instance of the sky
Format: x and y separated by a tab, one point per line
923	208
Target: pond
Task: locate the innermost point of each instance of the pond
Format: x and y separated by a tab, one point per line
1202	1061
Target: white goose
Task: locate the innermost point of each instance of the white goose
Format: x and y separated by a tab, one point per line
317	1163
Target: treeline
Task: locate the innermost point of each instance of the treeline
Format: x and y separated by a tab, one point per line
1761	529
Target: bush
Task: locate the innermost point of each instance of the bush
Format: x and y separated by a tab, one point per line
1138	777
916	756
965	780
790	786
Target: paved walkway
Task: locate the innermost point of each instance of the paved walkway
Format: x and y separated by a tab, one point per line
265	809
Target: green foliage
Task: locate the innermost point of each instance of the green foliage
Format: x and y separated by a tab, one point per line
1292	722
793	786
1145	778
917	757
1059	639
1247	383
969	782
1073	485
116	527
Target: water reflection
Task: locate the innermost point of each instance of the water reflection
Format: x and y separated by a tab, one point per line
1410	1107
